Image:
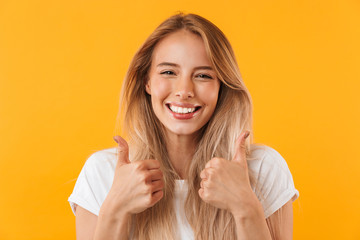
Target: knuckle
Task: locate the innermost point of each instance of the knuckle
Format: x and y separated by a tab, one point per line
216	162
148	190
211	173
143	177
146	176
139	165
206	195
210	177
203	174
207	184
148	200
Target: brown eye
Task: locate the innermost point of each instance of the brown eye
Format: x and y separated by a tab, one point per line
167	73
204	76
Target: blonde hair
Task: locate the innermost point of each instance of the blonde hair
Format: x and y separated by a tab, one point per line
233	115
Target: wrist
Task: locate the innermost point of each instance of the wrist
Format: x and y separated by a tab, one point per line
251	209
249	215
251	223
112	224
115	214
110	209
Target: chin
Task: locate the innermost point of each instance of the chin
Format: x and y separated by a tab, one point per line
183	131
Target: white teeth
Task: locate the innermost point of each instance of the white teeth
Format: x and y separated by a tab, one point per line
181	110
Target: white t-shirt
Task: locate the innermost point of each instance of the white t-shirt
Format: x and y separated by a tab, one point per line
274	181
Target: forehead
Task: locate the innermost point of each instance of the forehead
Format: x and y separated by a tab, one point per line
181	47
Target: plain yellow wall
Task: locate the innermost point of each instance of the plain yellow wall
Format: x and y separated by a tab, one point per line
61	68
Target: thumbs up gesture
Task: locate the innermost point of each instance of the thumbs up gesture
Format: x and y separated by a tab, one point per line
226	185
136	185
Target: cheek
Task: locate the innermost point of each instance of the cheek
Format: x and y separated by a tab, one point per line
160	88
209	94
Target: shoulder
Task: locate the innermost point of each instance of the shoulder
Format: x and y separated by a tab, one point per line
94	181
101	164
261	151
265	162
272	181
102	159
263	158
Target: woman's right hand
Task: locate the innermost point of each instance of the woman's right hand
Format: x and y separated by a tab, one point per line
136	185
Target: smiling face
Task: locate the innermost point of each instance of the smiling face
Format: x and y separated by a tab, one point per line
182	83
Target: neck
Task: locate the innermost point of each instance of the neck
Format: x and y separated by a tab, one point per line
181	149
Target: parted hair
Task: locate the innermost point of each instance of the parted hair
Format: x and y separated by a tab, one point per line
147	139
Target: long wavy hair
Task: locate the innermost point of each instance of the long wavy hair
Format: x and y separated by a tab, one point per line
147	139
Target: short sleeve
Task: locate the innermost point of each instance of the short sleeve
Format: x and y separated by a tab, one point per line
274	186
93	183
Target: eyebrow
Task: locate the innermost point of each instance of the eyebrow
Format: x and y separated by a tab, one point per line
176	65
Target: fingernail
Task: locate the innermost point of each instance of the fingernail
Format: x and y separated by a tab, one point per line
247	134
115	140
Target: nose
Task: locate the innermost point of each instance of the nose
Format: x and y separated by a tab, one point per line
185	88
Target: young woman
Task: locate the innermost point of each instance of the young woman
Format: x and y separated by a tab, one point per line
190	170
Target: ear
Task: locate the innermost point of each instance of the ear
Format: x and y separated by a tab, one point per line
148	87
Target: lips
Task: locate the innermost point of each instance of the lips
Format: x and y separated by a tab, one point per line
184	105
183	110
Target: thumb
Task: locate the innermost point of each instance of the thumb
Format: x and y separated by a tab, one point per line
240	149
123	151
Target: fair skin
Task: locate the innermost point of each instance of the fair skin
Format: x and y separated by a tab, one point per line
181	75
184	91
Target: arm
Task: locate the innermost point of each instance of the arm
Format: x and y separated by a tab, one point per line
89	226
111	226
279	226
280	223
136	187
85	224
106	226
250	221
220	187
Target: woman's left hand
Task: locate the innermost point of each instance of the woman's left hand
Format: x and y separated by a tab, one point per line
226	185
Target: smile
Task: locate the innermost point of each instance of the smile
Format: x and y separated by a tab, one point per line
182	110
185	112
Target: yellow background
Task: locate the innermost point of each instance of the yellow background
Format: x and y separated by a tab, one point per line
61	68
